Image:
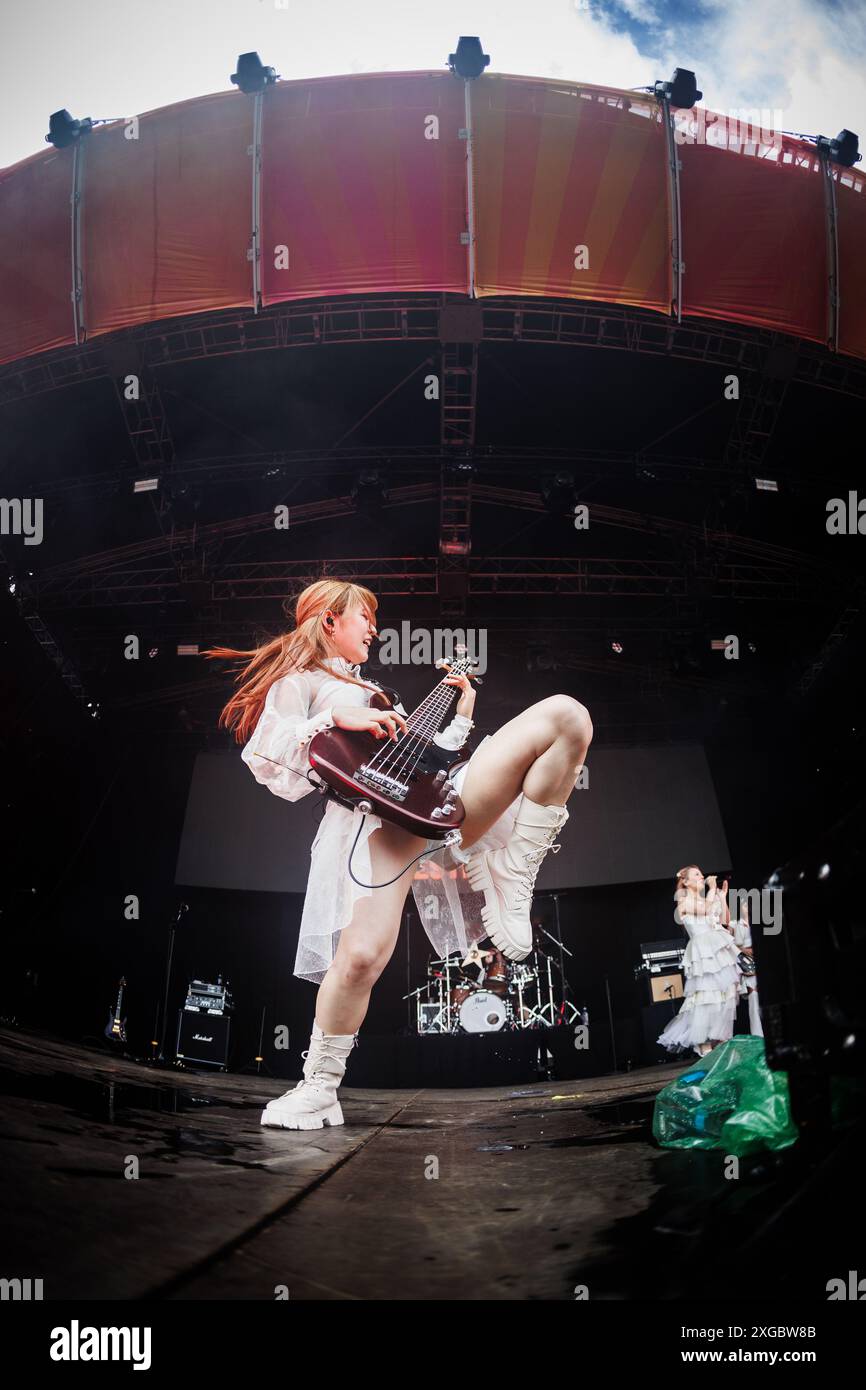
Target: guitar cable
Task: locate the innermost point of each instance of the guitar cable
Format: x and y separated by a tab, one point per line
425	853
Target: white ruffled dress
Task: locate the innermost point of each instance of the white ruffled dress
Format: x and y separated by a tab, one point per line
298	706
711	991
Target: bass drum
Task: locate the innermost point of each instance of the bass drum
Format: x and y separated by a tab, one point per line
483	1012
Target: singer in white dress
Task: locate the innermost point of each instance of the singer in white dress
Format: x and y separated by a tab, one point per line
298	706
712	978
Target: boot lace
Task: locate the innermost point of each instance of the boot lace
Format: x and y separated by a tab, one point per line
526	887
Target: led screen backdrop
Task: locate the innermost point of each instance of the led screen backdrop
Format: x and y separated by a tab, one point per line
647	811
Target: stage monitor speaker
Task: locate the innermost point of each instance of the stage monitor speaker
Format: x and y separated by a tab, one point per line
203	1038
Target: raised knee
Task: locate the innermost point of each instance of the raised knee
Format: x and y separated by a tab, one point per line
572	717
361	966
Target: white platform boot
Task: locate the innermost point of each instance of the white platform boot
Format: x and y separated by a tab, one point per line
507	876
313	1102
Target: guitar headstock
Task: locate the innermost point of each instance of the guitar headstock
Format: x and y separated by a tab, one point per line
461	665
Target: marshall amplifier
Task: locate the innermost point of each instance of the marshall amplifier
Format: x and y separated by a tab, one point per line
203	1038
660	972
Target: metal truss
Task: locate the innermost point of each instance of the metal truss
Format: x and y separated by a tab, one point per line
762	395
564	576
26	600
421	460
457	442
206	541
416	318
840	633
146	424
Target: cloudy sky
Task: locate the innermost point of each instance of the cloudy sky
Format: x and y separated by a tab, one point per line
106	58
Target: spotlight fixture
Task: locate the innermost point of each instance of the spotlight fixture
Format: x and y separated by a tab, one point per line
766	485
252	76
681	91
369	490
64	130
145	485
558	493
469	60
843	150
616	647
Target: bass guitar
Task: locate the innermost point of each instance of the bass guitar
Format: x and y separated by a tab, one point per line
408	780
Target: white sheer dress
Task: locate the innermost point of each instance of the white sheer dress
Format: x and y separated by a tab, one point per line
712	982
297	706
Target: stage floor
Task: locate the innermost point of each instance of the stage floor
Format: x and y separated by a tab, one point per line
541	1189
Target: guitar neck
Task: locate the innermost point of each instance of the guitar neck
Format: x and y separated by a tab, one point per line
429	716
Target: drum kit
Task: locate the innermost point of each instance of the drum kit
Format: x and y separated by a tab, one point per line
502	995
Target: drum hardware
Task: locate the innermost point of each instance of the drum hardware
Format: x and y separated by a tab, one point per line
551	1013
501	999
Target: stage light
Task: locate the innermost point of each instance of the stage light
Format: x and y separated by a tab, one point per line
12	586
469	60
252	75
369	490
187	649
145	485
64	130
681	91
843	150
616	647
766	485
558	493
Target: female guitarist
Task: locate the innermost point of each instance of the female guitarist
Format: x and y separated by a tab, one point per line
514	789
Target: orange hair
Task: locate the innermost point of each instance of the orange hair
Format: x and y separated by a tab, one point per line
303	648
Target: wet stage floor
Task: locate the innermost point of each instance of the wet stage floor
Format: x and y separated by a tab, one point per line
520	1193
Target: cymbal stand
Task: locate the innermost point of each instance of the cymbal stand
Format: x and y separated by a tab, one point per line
568	1011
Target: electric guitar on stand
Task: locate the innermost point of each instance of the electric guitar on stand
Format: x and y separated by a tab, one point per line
408	780
115	1029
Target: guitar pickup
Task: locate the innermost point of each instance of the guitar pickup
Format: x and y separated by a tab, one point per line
380	781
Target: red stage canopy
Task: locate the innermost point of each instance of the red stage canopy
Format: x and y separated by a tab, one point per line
364	189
